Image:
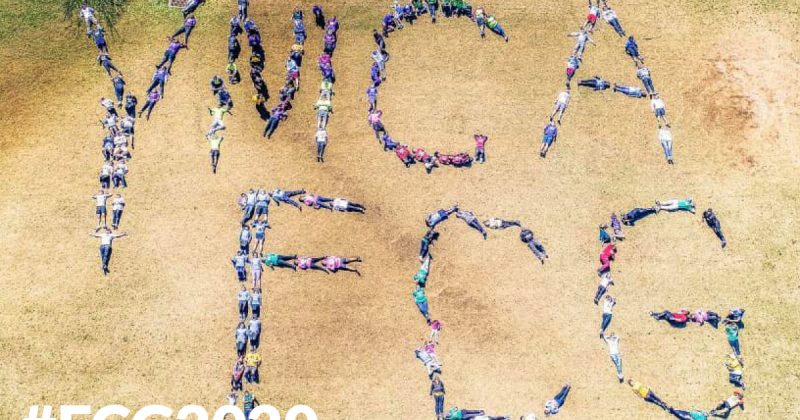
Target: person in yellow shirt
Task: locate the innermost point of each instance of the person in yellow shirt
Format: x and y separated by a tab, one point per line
647	394
735	373
252	360
214	142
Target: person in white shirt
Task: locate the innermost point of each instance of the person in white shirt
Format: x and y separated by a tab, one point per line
100	208
610	17
665	137
322	141
613	350
340	204
560	105
552	406
89	18
118	178
581	38
256	264
659	109
106	238
608	306
117	206
105	175
249	206
496	223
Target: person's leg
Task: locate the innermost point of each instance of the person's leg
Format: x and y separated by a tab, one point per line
735	347
605	323
178	32
105	256
617	364
242	310
680	414
653	398
562	395
150	106
601	290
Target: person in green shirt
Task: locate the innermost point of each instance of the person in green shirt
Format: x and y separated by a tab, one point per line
324	108
461	8
422	275
214	142
249	402
495	27
422	302
674	205
218	114
456	413
275	260
732	332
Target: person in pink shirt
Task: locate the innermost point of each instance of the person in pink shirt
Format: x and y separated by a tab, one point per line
316	201
334	264
480	147
436	328
374	120
310	263
701	316
608	255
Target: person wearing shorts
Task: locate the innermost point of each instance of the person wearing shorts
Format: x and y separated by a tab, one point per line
262	198
100	208
549	136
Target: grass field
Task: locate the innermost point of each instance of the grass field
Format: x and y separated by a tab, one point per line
159	328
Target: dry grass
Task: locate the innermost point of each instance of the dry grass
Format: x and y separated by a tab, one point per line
159	328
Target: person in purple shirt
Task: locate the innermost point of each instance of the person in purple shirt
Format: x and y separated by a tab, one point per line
278	115
330	43
152	98
188	26
170	54
159	79
327	73
389	25
550	134
375	75
333	26
372	97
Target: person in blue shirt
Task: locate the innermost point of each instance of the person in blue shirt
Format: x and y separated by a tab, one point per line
596	83
319	16
100	39
550	135
159	79
632	49
630	218
631	91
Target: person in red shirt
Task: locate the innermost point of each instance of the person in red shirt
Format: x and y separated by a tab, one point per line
480	148
404	154
420	155
676	318
608	255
